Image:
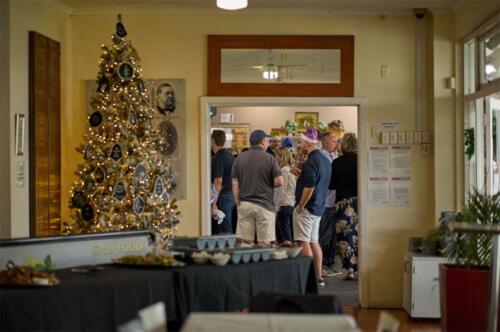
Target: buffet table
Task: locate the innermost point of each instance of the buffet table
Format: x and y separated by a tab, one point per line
110	297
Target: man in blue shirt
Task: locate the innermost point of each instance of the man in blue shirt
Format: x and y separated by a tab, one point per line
310	195
222	164
327	232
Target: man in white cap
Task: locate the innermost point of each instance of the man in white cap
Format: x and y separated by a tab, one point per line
274	144
310	194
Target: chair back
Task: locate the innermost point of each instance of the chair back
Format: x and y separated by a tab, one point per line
387	323
295	303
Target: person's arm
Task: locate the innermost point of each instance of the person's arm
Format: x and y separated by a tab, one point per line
278	181
309	178
236	192
333	180
306	196
218	188
277	175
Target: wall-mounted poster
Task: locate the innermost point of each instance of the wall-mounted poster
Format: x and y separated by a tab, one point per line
167	97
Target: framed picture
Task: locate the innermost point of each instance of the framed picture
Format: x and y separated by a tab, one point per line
305	120
301	66
167	99
20	125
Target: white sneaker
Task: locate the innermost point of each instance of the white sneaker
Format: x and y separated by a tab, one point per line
327	272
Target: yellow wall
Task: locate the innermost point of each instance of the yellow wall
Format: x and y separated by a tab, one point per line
5	135
444	115
174	46
52	21
471	14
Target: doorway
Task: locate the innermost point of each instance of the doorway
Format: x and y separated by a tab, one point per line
209	104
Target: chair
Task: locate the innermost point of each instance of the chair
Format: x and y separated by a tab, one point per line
131	326
152	318
295	303
387	323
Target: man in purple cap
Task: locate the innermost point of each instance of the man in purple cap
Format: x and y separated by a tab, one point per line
310	194
255	175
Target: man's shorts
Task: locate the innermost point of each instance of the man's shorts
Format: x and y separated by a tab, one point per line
252	219
305	226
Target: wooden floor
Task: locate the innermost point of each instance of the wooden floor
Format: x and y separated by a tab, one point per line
367	320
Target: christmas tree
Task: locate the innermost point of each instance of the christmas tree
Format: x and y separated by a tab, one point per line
124	183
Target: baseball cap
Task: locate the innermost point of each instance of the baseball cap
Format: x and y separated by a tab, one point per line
257	136
287	143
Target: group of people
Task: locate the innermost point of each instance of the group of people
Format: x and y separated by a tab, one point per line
305	195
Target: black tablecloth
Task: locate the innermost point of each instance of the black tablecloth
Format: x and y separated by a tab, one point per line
213	289
103	301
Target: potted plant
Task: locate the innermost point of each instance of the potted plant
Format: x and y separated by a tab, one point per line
464	282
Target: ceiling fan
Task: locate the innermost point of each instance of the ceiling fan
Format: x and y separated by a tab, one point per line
273	71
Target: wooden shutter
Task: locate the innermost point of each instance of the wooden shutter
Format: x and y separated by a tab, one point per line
45	138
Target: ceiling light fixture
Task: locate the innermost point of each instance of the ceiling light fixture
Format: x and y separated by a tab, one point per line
270	72
490	69
232	4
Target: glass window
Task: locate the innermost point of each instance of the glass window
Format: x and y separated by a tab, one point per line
490	56
482	112
493	108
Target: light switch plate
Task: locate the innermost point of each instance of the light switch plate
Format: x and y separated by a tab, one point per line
385	138
418	137
409	137
425	137
394	137
401	137
426	149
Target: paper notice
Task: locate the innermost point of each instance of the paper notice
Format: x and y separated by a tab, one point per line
378	192
378	160
400	161
400	191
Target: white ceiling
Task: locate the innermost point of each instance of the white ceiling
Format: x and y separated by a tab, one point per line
339	7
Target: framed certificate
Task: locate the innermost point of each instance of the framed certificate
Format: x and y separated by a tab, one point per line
20	127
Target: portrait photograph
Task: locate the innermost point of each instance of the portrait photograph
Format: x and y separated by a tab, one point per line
167	101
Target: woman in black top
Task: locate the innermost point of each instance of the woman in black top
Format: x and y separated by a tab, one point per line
345	181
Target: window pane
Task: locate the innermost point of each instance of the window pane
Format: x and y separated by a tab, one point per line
470	163
493	103
470	67
491	56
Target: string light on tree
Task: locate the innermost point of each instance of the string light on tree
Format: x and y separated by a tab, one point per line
117	184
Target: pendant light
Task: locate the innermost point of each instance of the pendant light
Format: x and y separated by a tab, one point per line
232	4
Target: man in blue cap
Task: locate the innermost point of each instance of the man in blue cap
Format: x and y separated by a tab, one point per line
255	175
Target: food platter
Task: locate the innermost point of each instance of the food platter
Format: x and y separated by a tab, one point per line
150	260
26	276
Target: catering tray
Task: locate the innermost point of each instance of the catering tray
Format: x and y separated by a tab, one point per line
205	242
243	255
